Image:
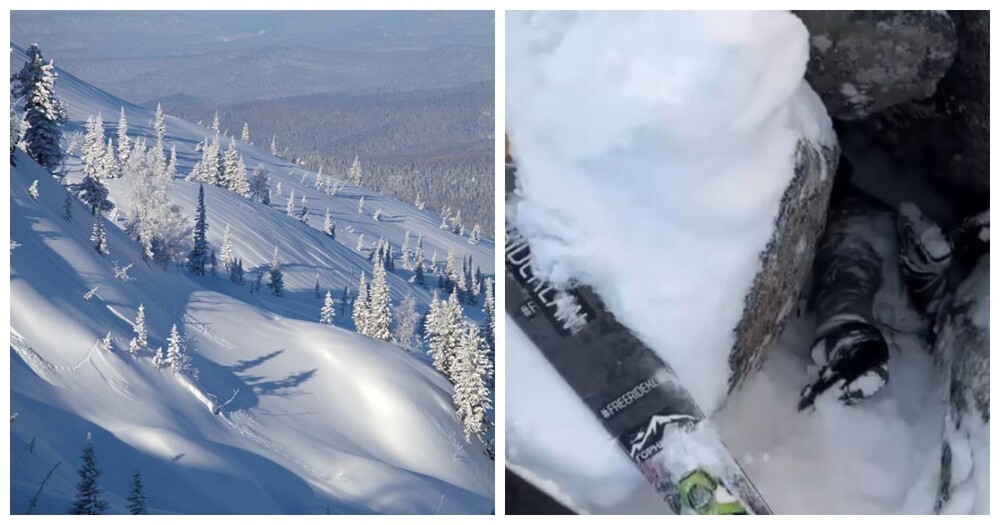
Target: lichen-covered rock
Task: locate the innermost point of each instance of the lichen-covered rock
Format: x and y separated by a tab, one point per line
863	62
787	259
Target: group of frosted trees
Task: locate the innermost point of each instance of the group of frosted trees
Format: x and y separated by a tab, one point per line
463	352
89	497
177	357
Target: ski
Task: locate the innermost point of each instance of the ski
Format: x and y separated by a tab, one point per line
635	394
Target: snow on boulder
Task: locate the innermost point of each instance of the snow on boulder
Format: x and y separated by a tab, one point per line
679	165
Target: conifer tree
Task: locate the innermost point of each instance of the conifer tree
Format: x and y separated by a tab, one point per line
444	333
304	213
138	342
88	498
277	281
379	310
245	135
329	227
33	190
177	359
327	312
361	242
290	205
474	236
354	174
136	496
15	132
319	178
93	147
93	192
406	323
109	168
361	205
360	313
229	165
124	143
215	124
198	259
43	111
470	395
274	146
98	237
226	251
159	360
160	129
316	292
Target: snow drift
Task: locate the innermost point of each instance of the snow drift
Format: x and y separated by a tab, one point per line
653	153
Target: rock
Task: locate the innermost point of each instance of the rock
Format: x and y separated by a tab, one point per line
863	62
948	134
787	259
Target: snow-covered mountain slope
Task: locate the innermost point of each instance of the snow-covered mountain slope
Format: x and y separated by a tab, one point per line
324	420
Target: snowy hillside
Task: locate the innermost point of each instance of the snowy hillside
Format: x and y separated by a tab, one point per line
323	419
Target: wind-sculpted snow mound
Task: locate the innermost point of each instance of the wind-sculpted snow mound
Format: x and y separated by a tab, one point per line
678	164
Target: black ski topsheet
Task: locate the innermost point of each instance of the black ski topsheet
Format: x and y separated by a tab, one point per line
630	389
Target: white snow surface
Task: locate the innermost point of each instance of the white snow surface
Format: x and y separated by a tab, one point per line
666	139
325	420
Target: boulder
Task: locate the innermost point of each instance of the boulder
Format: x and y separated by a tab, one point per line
949	133
862	62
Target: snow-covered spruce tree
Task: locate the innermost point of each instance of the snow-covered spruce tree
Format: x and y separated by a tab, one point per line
354	174
445	326
274	146
93	147
88	498
198	258
33	190
15	131
474	236
377	215
108	167
406	323
35	83
124	143
98	238
245	135
229	161
327	312
226	251
136	495
361	242
215	124
171	168
277	189
177	359
329	227
360	314
241	185
93	192
213	264
379	320
139	342
418	274
404	251
471	396
290	205
159	361
361	205
487	327
304	212
277	280
106	343
159	129
316	292
319	179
